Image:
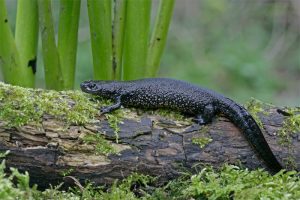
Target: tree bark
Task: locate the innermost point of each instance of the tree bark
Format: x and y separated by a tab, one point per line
147	143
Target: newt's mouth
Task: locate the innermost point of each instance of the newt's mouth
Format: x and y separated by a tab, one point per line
88	86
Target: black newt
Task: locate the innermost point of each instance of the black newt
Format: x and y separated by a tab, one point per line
190	99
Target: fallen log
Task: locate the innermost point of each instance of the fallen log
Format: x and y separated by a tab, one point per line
50	145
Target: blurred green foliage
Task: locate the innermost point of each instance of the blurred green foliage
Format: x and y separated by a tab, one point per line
240	48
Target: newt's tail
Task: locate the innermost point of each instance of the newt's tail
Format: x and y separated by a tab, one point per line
242	119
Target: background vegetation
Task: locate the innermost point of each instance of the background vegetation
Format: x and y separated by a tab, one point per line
240	48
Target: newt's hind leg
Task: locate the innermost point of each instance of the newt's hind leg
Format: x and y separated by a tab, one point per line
206	116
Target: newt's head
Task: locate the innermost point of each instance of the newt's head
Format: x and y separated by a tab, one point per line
103	88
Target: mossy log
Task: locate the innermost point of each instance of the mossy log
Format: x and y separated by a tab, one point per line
102	148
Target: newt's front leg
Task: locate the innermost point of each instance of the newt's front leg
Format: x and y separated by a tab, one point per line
113	107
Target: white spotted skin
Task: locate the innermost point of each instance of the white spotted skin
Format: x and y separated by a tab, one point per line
163	93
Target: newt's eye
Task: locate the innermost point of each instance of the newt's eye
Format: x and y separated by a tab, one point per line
92	86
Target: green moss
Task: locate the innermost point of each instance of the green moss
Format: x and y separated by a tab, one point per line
204	129
20	106
291	125
17	105
230	182
4	154
102	146
201	141
233	183
15	185
83	110
254	107
170	114
124	189
114	119
66	172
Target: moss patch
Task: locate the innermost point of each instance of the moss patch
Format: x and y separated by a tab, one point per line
20	106
114	119
202	141
66	172
101	145
254	107
230	182
170	114
234	183
291	125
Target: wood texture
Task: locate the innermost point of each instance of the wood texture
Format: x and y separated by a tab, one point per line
148	144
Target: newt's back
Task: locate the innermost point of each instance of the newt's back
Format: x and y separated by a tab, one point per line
168	93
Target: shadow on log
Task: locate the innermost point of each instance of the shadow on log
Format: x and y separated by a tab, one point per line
147	143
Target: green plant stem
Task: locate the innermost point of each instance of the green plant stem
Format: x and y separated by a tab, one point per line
101	38
53	75
67	39
26	36
118	35
136	38
159	36
13	70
